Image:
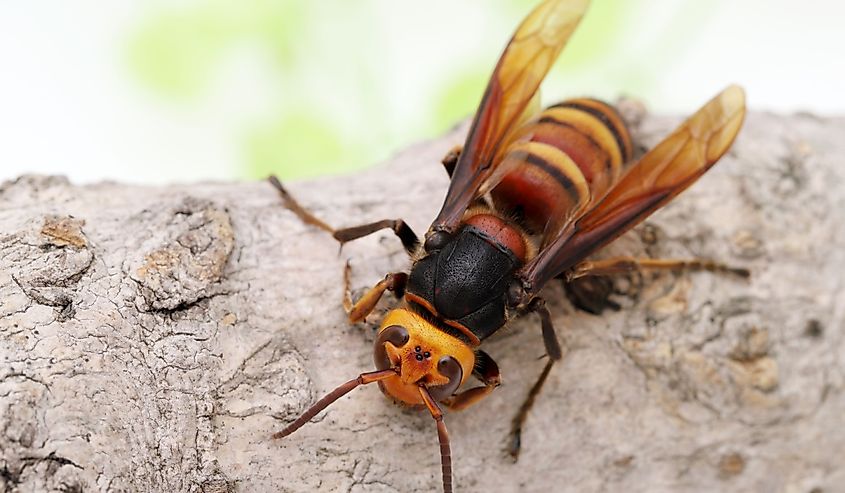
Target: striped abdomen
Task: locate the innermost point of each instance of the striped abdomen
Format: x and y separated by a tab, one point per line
557	164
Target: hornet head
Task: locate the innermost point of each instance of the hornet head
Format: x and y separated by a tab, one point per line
422	355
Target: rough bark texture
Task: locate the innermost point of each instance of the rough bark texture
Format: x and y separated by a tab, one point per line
152	339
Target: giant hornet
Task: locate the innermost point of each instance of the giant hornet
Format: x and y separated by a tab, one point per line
533	193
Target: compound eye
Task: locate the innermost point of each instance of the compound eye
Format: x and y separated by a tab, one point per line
451	369
394	334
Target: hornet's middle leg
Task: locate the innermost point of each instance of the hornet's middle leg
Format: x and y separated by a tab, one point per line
555	354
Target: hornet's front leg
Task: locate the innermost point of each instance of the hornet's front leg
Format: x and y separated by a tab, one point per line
554	352
487	371
398	226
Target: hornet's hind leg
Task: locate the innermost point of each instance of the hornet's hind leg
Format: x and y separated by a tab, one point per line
621	265
590	294
588	285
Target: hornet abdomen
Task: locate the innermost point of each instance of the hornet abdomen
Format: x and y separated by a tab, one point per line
562	162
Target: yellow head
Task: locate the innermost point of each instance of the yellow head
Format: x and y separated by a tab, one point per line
423	354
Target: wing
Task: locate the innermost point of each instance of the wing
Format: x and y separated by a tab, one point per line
523	65
655	179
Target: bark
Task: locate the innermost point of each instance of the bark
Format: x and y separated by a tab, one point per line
152	339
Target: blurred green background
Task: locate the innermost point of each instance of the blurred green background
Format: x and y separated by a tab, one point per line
162	91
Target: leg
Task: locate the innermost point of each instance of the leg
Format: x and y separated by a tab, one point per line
622	265
403	231
515	439
590	293
487	371
359	310
555	354
451	159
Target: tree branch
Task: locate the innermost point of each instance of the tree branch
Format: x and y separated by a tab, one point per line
152	339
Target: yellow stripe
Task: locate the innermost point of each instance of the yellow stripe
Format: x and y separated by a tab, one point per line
592	127
614	118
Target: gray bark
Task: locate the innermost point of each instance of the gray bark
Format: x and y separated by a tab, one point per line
152	339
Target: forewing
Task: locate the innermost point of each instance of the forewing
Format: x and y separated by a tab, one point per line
516	78
656	178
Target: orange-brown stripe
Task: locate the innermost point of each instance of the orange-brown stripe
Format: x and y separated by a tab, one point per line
559	176
545	184
616	119
609	117
581	147
589	125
